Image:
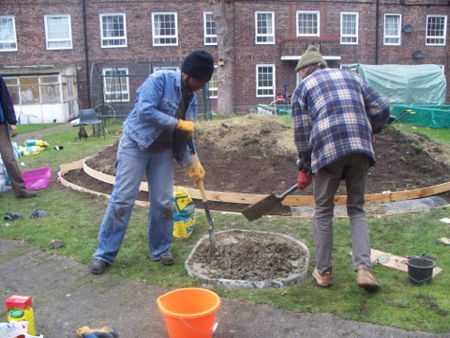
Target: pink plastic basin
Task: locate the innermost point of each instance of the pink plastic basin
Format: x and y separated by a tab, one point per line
36	179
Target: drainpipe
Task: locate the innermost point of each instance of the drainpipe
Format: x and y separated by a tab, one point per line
377	28
86	55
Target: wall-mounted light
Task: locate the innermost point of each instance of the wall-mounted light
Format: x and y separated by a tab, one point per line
221	62
418	54
407	29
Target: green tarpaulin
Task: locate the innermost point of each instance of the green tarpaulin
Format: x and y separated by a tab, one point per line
425	116
407	84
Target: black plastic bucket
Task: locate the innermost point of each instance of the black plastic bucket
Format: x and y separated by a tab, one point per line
420	269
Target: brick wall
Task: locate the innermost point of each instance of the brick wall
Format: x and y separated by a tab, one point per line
29	16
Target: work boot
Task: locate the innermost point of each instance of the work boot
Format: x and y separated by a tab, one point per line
322	279
26	194
366	280
98	266
167	258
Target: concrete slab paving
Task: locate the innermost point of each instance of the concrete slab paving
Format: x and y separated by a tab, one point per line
66	296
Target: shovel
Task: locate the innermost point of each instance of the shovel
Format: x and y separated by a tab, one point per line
211	230
266	205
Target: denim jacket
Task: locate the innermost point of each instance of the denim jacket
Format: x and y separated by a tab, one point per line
157	100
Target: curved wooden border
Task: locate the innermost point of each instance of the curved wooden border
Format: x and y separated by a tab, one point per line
292	200
64	168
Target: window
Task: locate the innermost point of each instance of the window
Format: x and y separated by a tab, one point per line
308	23
213	85
209	29
58	31
28	90
349	28
8	41
49	87
156	68
165	31
436	30
116	86
113	30
13	88
265	80
392	24
264	28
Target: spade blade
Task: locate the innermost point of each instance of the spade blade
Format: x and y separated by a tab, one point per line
261	208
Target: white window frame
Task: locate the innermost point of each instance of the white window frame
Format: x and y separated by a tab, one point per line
206	35
343	35
127	92
156	38
444	36
269	36
122	38
298	26
13	22
48	40
214	80
398	36
156	68
265	88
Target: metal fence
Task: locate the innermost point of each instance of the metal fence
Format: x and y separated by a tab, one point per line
114	84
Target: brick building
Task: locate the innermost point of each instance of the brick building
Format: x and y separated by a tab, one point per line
80	53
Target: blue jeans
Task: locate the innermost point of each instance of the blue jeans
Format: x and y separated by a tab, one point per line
132	164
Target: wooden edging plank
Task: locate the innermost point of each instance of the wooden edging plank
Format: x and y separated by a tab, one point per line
217	196
292	200
394	262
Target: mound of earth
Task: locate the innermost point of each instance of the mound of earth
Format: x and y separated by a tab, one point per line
256	154
249	256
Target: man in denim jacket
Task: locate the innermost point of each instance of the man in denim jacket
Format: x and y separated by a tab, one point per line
154	133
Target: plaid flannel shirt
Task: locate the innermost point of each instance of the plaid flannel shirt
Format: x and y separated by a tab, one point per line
335	113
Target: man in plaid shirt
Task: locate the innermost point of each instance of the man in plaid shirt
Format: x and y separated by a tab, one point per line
335	115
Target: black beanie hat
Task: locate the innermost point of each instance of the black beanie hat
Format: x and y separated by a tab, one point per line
199	65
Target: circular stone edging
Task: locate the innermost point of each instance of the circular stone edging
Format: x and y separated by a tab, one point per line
194	270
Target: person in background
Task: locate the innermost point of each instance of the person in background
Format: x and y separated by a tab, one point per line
335	115
154	133
8	129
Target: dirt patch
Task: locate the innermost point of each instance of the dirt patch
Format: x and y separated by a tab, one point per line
257	155
251	256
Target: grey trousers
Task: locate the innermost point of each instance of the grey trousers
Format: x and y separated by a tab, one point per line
7	153
353	169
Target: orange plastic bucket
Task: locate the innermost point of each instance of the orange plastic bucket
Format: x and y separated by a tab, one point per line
189	312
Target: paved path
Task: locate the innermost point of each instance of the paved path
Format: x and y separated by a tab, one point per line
66	296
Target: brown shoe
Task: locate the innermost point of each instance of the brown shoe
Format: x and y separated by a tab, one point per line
365	279
26	194
322	279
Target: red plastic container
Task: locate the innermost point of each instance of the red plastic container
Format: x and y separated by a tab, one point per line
36	179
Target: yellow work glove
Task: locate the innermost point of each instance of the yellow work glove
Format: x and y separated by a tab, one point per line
187	126
196	172
13	130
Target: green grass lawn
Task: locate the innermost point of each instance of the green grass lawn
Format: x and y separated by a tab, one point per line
27	128
75	218
437	134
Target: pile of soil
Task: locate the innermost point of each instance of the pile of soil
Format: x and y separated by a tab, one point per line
238	253
256	154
